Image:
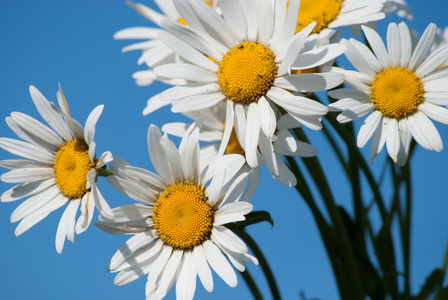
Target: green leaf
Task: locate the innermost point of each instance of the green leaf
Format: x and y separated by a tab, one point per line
255	217
442	294
433	280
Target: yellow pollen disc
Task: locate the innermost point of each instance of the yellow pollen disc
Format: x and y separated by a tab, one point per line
182	216
247	72
396	92
183	22
234	146
71	165
323	12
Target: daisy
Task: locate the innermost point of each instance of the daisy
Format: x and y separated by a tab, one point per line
213	123
59	167
403	88
333	14
399	7
179	225
244	60
154	51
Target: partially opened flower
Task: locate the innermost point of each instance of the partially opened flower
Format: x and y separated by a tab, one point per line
404	88
285	143
333	14
59	167
179	225
244	59
399	7
154	51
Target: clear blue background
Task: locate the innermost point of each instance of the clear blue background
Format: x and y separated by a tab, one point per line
46	42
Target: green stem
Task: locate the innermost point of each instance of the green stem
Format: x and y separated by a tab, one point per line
261	259
251	284
326	232
347	255
104	172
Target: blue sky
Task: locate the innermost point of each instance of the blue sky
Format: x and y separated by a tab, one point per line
70	42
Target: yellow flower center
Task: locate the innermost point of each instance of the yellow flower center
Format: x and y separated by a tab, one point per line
247	72
71	165
182	216
234	146
323	12
396	92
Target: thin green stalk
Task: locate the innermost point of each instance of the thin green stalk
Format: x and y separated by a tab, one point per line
406	234
326	232
336	149
347	255
262	261
349	140
360	220
251	284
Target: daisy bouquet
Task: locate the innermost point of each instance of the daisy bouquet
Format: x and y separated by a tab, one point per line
251	85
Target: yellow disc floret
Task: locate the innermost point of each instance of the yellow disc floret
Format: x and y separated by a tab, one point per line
71	165
182	217
247	72
323	12
396	92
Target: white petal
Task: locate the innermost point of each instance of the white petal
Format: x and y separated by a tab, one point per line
252	134
435	112
186	71
368	128
153	104
186	281
27	174
27	189
92	119
220	264
198	102
189	53
422	127
309	82
128	213
423	47
130	246
203	270
393	140
34	203
377	45
234	16
87	209
393	44
50	116
39	214
27	150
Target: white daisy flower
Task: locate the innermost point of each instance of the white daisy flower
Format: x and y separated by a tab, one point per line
333	14
154	51
403	88
212	131
179	225
244	60
60	167
399	7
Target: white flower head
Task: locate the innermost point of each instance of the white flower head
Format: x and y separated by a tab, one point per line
334	14
285	143
154	51
179	225
399	7
402	87
59	167
244	58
